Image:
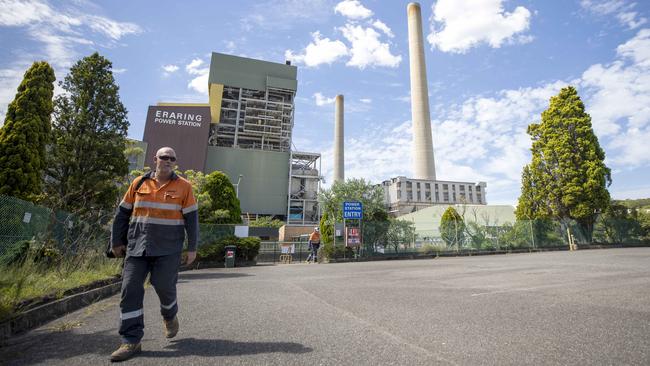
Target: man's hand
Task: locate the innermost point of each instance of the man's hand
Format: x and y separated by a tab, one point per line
191	256
119	252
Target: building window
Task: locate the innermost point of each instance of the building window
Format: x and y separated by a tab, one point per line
445	186
478	197
453	187
445	196
409	195
427	196
427	186
478	188
437	197
454	196
436	185
419	199
462	188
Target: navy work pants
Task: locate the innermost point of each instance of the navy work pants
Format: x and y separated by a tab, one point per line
164	273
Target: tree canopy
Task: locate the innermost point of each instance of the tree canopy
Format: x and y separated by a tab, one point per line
370	196
452	228
86	159
218	203
25	133
567	178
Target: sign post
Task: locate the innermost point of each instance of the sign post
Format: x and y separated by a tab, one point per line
353	210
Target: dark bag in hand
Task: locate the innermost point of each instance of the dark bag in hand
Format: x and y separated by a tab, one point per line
109	248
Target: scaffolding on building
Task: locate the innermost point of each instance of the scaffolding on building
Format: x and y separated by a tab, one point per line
304	187
254	119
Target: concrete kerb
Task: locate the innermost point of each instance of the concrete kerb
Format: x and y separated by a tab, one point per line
55	309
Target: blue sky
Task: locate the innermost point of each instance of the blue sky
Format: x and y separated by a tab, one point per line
492	66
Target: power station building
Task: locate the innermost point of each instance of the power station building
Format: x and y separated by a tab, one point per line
244	131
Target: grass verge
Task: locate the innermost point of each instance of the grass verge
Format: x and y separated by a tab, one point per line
29	280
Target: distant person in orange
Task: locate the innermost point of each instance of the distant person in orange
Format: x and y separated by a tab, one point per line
314	244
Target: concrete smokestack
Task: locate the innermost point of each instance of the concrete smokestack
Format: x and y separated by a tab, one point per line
423	164
338	140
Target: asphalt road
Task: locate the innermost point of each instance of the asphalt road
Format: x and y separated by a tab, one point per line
558	308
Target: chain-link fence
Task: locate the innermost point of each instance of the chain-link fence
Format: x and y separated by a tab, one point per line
64	232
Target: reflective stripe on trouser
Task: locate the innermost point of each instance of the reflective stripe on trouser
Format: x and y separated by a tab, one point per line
164	273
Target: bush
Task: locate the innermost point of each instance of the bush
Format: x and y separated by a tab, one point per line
432	248
16	254
248	248
211	252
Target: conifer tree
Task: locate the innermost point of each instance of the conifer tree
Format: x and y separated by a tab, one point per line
25	133
452	228
220	203
567	178
89	129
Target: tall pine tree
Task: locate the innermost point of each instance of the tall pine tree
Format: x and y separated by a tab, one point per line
25	134
89	129
567	178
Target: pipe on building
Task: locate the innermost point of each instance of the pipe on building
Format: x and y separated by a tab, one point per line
423	163
339	160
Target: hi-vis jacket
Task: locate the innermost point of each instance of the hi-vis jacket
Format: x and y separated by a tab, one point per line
152	221
314	238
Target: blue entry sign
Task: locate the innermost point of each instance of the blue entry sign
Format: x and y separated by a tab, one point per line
352	210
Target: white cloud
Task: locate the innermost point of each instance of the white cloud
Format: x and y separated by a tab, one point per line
637	49
367	49
200	82
170	68
383	27
352	9
193	67
110	28
119	70
621	9
365	100
459	25
319	51
321	100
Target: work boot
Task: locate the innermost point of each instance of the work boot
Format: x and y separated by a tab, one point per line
171	327
126	351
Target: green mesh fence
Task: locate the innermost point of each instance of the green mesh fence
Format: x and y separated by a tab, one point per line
68	234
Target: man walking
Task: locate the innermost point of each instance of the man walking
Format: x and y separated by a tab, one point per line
314	244
149	229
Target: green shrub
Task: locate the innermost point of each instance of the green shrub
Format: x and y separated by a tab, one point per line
248	248
211	252
16	254
432	248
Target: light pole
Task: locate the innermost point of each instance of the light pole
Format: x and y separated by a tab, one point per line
237	185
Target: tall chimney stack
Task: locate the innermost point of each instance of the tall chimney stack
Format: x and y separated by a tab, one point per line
338	140
423	164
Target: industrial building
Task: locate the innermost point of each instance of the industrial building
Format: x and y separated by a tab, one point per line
403	195
244	131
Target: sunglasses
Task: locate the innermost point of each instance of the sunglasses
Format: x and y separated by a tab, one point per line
165	158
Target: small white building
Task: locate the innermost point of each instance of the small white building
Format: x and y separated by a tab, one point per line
405	195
